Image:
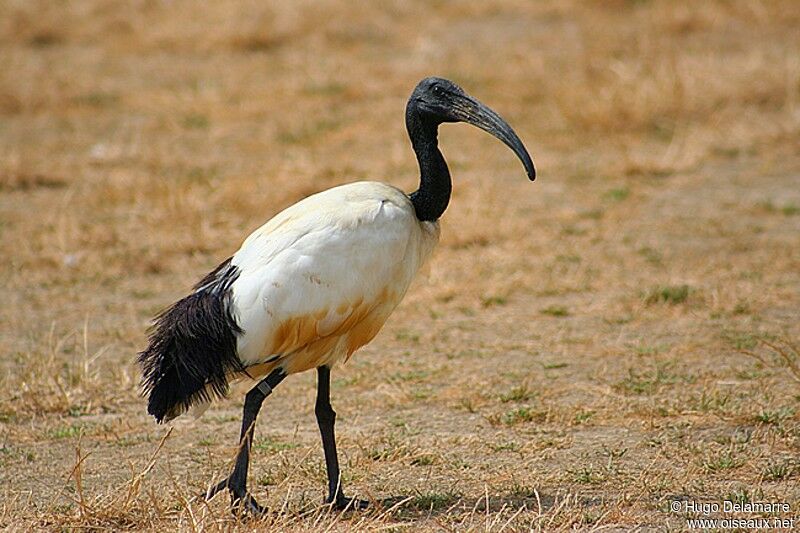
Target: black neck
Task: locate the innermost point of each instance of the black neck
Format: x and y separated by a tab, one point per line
433	195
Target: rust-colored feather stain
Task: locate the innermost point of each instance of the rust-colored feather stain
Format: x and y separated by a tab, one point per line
306	342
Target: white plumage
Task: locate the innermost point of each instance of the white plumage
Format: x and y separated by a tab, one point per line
320	279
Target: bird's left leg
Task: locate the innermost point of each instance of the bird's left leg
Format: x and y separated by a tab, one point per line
236	483
326	418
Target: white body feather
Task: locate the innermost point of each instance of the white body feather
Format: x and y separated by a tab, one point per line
320	279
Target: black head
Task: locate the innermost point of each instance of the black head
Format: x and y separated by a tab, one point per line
435	97
439	100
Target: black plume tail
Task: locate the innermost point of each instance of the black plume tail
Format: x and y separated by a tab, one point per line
192	348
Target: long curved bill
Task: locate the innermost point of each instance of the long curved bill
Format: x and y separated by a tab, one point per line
468	109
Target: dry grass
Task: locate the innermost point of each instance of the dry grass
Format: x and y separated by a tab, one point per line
619	334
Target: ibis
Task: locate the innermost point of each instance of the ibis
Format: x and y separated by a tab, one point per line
307	289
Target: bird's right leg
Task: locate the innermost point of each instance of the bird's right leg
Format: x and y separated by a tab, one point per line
236	483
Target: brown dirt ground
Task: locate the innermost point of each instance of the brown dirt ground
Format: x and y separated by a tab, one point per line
585	350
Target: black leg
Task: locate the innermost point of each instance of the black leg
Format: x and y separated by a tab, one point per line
326	419
236	483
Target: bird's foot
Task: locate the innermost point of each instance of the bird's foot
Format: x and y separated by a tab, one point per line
343	503
242	503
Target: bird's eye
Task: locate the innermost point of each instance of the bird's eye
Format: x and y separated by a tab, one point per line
437	90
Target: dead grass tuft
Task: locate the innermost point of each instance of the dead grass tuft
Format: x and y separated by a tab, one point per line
781	354
671	294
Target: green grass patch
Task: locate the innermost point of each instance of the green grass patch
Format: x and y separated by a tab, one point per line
774	417
586	475
722	462
649	382
651	255
65	432
790	210
649	349
423	460
555	310
520	393
741	308
97	99
778	470
671	294
617	194
509	446
196	121
522	491
522	415
741	340
491	301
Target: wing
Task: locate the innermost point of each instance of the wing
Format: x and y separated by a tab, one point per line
333	264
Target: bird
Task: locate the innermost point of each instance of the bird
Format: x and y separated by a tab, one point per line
307	289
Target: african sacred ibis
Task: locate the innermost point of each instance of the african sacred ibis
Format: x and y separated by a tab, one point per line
309	288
